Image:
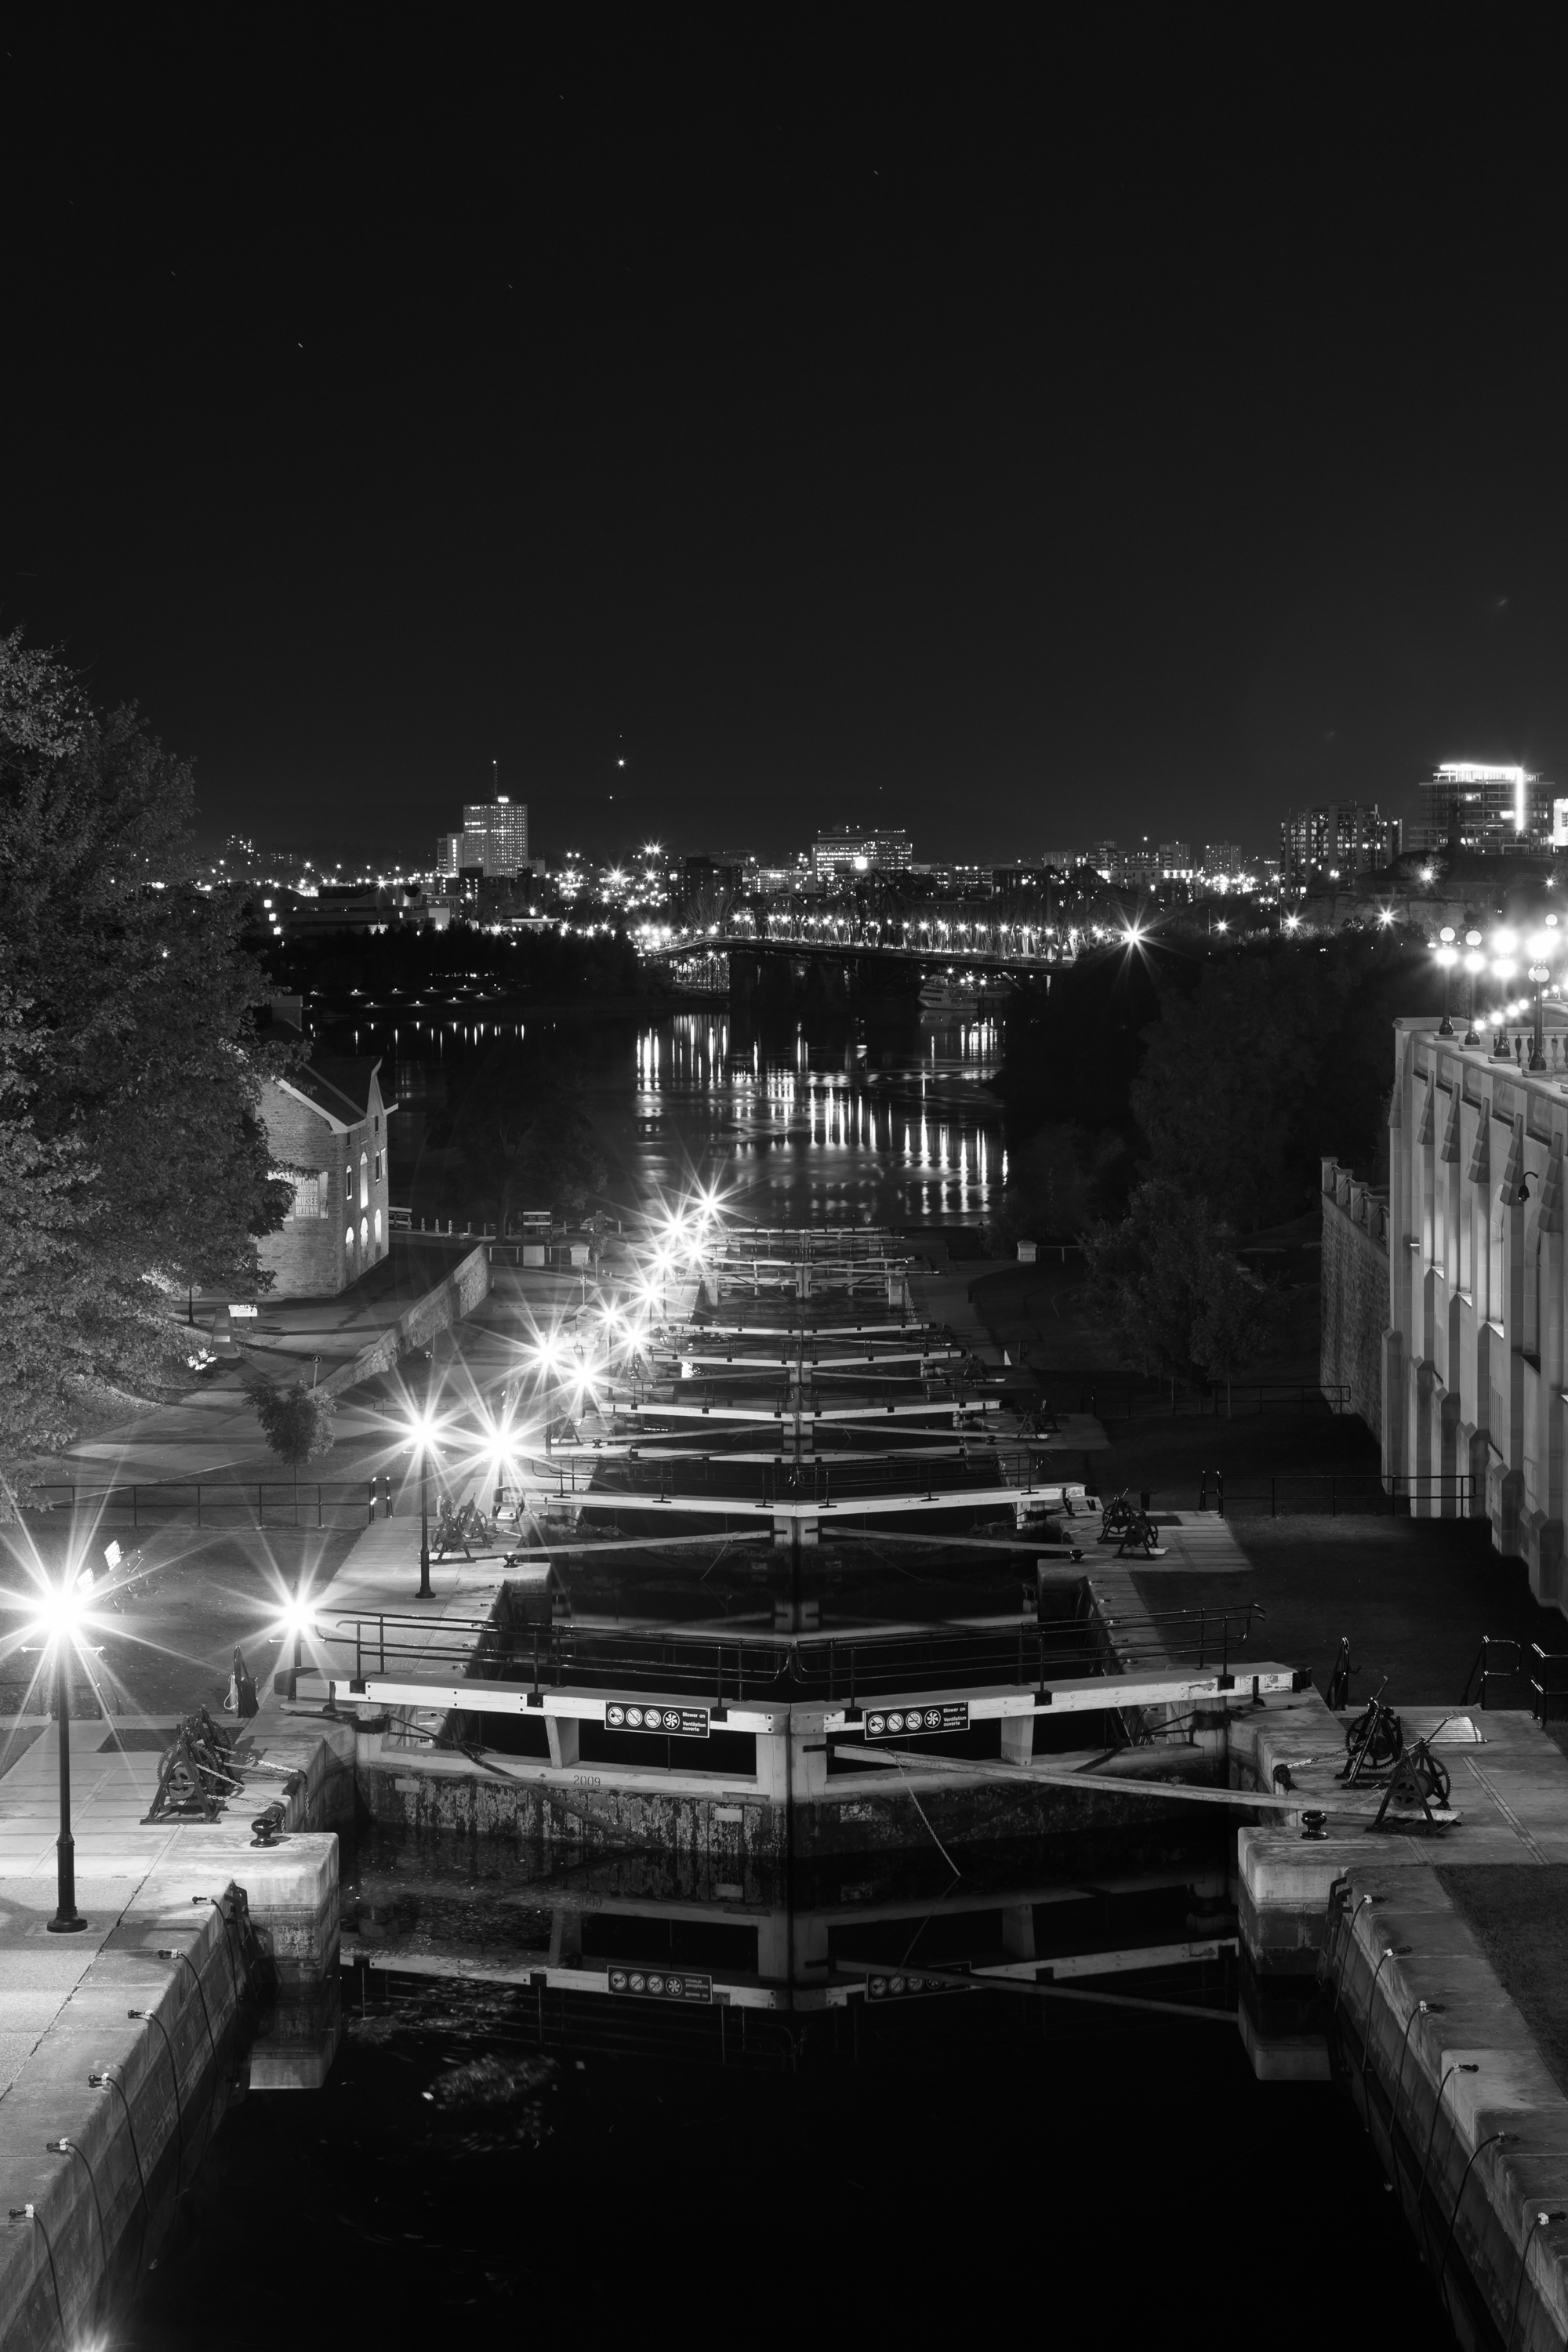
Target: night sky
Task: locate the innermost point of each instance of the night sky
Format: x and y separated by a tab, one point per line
837	418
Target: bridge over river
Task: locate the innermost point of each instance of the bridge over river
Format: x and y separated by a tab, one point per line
851	954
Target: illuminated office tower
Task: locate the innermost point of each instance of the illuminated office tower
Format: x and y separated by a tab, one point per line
495	835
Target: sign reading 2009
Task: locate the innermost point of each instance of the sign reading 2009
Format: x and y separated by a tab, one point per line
654	1714
893	1722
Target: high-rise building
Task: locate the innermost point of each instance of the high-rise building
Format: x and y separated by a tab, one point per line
1176	861
848	852
1137	869
1224	858
495	835
1478	806
1337	842
448	856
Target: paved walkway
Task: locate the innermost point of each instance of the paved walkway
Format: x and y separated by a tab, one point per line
381	1573
110	1790
944	1298
214	1427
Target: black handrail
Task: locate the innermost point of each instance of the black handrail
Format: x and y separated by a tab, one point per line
1340	1489
1128	1396
793	1667
1543	1692
1482	1671
270	1502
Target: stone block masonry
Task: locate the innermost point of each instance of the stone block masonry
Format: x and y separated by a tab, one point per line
122	2046
1474	1376
464	1288
1355	1291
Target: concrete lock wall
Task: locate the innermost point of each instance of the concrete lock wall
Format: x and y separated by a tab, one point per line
103	2211
438	1310
232	2002
565	1817
561	1817
1355	1291
1466	2117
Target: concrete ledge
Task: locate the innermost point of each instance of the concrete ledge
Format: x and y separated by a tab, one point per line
137	2149
1435	2085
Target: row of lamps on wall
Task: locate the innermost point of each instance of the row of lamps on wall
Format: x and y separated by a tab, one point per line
1502	963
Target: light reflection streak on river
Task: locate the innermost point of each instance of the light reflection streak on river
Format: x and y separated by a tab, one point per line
818	1131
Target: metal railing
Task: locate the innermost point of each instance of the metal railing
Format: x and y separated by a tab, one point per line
1483	1672
820	1478
1547	1684
798	1667
212	1503
1125	1397
1336	1491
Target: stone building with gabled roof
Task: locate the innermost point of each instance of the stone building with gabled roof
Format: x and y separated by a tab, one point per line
326	1128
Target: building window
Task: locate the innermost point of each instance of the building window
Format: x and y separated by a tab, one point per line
349	1240
364	1181
378	1229
364	1233
376	1171
1531	1299
1467	1243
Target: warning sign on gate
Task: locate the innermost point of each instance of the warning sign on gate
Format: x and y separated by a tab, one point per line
899	1722
898	1984
662	1984
653	1715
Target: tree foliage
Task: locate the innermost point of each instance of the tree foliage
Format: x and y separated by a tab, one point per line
297	1422
519	1134
46	1298
1168	1279
1279	1053
1228	1069
544	965
135	1159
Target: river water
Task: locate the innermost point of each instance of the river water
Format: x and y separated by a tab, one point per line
795	1123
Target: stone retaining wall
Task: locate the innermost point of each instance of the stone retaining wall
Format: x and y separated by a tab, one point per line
461	1291
101	2213
1471	2128
1355	1294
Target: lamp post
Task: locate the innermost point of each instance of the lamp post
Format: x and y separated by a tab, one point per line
426	1592
1502	969
1539	973
67	1920
1474	962
1447	955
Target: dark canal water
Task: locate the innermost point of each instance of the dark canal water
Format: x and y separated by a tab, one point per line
486	2160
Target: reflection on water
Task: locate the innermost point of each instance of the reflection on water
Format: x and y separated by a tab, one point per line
1143	1917
495	2153
799	1129
822	1124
